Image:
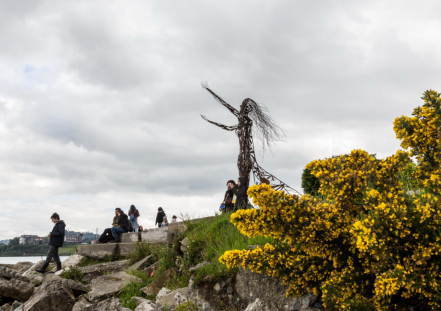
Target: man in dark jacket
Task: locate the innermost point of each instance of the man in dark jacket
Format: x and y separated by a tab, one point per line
107	235
122	226
55	242
240	191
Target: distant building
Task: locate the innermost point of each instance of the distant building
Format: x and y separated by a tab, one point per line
30	239
73	237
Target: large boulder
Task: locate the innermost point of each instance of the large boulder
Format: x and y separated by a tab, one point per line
153	288
16	289
77	288
14	306
22	266
113	304
257	305
52	295
81	303
108	285
174	298
71	261
33	268
143	304
93	271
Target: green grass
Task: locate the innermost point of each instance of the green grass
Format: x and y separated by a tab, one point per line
209	239
88	261
73	273
133	289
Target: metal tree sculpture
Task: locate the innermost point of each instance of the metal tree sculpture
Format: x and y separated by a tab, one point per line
266	130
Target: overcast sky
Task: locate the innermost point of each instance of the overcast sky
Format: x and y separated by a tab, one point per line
100	101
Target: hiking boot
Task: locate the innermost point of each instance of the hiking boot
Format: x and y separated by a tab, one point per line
58	266
43	268
114	241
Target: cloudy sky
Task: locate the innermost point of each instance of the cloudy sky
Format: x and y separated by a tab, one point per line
100	101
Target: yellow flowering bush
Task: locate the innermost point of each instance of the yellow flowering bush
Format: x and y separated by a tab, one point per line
365	243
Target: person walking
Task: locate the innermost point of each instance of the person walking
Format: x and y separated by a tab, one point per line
133	215
240	191
121	227
56	241
107	235
159	217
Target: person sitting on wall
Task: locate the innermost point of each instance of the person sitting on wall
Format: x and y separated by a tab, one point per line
56	241
164	222
159	217
107	235
174	219
121	227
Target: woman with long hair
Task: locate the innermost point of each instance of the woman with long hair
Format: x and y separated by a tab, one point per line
133	215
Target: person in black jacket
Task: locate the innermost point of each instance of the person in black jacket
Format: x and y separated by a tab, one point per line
107	235
122	226
228	197
56	241
240	191
159	217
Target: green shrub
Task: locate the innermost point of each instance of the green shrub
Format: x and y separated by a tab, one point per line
73	274
310	183
188	306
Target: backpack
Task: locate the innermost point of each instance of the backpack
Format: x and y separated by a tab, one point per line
130	226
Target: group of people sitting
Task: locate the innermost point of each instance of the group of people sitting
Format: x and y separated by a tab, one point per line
123	223
236	196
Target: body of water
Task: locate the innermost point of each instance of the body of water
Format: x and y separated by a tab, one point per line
34	259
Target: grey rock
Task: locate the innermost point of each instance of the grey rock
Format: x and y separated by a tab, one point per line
72	261
270	291
146	307
164	291
140	263
199	265
80	303
125	309
217	287
22	266
257	305
19	308
77	288
153	288
16	289
33	268
139	301
53	295
113	304
174	298
184	244
108	285
93	271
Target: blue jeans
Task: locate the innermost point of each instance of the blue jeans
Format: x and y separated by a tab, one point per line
134	222
116	230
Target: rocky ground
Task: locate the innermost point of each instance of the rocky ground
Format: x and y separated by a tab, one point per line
23	289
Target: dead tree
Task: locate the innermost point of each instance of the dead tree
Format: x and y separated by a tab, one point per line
265	129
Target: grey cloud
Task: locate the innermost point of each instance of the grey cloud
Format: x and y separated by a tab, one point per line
110	112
